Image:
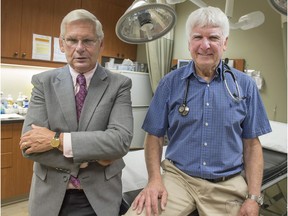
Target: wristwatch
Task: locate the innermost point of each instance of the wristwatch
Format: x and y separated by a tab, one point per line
55	142
259	199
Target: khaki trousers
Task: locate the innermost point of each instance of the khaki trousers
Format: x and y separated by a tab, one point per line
186	193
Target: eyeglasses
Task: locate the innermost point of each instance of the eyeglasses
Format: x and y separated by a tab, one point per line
73	43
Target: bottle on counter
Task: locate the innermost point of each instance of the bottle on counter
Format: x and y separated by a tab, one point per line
19	100
15	108
25	102
2	109
10	100
3	100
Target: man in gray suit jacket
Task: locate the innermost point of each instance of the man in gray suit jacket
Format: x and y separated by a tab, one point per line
87	151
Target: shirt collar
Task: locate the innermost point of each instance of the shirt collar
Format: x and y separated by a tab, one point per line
220	70
88	75
190	69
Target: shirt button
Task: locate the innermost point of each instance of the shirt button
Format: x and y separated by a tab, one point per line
206	123
204	163
207	104
205	144
208	85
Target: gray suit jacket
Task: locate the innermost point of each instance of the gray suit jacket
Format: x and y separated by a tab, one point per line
104	131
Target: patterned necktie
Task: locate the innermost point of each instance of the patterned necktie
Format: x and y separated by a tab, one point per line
80	98
81	94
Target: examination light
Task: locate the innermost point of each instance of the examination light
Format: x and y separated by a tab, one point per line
144	22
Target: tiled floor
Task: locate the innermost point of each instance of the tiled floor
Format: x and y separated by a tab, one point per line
16	209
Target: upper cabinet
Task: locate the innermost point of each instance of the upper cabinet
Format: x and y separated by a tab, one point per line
11	15
60	9
20	19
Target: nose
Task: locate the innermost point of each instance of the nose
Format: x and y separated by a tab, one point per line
80	46
205	43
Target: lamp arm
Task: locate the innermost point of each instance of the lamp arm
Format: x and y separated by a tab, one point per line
199	3
238	24
229	8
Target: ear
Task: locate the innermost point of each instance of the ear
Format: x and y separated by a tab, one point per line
61	44
225	44
101	45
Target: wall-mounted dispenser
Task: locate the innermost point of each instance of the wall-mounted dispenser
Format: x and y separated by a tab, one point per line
256	75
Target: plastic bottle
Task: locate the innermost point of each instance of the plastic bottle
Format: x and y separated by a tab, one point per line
19	100
2	109
15	108
3	100
25	102
258	79
10	100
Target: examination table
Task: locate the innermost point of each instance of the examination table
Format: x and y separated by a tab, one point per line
274	186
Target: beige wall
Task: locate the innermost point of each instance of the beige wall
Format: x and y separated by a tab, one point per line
261	47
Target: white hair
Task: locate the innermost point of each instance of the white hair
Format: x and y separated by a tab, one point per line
207	16
81	14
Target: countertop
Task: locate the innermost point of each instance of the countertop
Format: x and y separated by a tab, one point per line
11	118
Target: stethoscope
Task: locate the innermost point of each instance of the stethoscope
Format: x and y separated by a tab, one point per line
184	109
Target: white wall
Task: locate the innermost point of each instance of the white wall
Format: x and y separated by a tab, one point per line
17	78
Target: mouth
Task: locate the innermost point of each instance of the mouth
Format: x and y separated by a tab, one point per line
80	59
205	54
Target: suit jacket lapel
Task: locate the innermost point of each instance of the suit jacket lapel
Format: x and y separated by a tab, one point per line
97	87
65	94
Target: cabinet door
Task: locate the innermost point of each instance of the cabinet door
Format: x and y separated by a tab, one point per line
11	11
16	171
37	18
61	9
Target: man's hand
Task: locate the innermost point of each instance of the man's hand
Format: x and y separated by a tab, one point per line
36	140
249	208
105	162
149	198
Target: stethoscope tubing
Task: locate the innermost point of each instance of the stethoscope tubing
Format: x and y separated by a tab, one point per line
237	97
184	109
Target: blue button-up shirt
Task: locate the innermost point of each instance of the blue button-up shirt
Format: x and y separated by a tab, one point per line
206	143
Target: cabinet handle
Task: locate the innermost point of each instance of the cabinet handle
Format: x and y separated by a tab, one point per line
23	55
15	54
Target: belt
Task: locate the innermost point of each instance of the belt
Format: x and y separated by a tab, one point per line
221	179
74	191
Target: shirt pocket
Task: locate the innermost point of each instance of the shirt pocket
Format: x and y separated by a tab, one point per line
237	111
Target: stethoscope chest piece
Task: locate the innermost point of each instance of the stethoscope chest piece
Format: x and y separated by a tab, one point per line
183	110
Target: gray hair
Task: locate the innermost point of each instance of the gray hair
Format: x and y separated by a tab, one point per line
81	14
207	16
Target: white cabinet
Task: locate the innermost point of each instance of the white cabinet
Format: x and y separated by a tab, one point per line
141	95
141	91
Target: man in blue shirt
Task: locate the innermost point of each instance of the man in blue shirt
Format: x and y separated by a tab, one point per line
212	116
